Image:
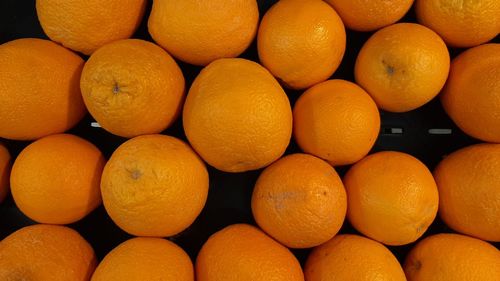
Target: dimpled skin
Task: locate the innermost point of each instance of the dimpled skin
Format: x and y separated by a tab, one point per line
301	42
132	87
140	259
471	96
352	258
39	89
391	197
56	179
5	166
469	191
237	116
244	253
199	32
86	25
403	66
154	185
452	257
336	120
46	253
300	201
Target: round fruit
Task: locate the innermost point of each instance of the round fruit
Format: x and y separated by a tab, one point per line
391	197
86	25
132	87
243	252
301	42
56	179
145	259
471	96
336	120
199	32
46	252
237	116
352	257
39	89
403	66
5	166
452	257
300	201
154	185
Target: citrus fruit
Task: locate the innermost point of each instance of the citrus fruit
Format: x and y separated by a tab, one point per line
244	253
199	32
403	66
39	89
237	116
132	87
56	179
5	167
336	120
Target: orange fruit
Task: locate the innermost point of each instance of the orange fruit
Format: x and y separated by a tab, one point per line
199	32
452	257
132	87
46	252
468	181
237	116
39	89
471	96
461	23
5	166
301	42
148	180
56	179
336	120
391	197
352	257
140	259
403	66
244	253
86	25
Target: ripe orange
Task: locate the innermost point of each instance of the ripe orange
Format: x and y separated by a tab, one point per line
471	96
39	89
452	257
132	87
154	185
244	253
199	32
336	120
237	116
403	66
5	166
391	197
301	42
86	25
300	201
46	252
141	259
56	179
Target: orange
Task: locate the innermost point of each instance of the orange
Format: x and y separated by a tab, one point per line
86	25
199	32
237	116
336	120
154	185
352	257
300	201
403	66
46	252
452	257
391	197
39	89
244	253
132	87
471	96
5	167
301	42
468	181
461	23
141	259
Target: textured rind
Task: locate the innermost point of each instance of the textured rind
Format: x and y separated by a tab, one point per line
5	166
